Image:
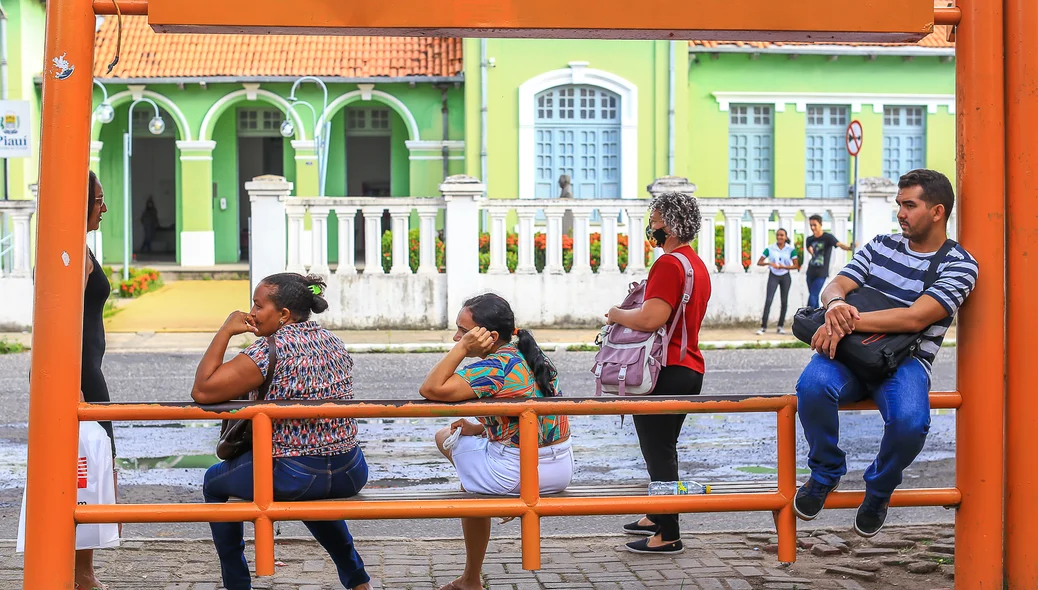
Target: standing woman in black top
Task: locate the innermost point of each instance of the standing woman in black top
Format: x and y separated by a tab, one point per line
93	386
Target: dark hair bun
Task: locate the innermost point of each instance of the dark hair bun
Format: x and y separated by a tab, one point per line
319	303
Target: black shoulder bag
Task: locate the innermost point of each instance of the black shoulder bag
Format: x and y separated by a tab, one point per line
236	435
872	357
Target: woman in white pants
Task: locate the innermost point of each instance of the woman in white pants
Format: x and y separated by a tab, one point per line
486	454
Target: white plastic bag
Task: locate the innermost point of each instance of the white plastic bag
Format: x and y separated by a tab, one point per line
95	485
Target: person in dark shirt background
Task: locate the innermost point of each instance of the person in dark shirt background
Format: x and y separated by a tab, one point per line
819	246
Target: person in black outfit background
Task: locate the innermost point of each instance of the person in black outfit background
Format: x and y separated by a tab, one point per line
93	387
820	246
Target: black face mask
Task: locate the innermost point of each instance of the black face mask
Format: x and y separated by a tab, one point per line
659	236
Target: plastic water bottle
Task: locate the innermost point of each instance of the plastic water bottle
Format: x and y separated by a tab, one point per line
677	488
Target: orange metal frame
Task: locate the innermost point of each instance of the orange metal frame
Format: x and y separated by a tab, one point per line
263	511
996	71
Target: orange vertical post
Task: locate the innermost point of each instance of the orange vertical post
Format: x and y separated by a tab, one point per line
58	300
785	520
980	423
1021	30
263	491
530	489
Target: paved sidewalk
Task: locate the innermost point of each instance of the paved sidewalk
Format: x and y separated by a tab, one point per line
827	560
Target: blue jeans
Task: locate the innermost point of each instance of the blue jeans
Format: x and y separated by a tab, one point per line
814	291
295	478
903	400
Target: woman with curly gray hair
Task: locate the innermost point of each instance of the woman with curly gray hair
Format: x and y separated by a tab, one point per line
673	224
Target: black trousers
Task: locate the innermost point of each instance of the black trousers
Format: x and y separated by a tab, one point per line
658	437
782	284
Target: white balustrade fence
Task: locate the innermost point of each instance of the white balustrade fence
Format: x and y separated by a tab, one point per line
538	254
16	289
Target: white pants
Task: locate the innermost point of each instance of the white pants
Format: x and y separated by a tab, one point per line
492	468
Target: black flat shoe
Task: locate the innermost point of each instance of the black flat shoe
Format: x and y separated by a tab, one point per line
642	546
635	528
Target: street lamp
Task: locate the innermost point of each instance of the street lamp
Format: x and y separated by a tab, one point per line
104	112
156	126
321	128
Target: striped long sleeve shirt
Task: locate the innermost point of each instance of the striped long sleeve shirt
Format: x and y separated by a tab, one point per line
888	265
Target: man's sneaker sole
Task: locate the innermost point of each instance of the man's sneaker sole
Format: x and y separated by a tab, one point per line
803	516
864	534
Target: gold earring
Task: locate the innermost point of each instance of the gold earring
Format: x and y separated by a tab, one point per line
281	323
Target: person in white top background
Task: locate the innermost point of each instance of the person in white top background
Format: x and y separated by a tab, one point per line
781	258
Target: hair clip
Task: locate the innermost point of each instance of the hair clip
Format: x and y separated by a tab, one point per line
315	289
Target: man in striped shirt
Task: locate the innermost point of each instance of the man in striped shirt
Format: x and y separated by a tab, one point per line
894	265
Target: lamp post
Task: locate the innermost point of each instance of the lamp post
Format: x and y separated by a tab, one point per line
156	126
321	128
104	113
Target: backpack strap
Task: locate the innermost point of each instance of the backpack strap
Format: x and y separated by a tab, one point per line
935	261
690	275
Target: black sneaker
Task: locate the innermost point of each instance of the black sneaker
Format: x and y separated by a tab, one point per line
642	546
810	498
634	528
871	514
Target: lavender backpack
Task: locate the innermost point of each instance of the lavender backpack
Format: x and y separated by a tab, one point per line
630	361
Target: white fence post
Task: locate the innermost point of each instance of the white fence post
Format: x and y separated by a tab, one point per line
267	250
677	184
607	245
635	240
733	239
373	240
877	197
319	241
463	195
758	237
427	240
498	240
526	264
400	217
347	242
581	237
553	241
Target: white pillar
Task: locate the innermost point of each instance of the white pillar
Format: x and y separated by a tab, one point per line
758	238
319	241
427	240
553	242
706	237
296	237
401	237
526	259
20	266
347	242
373	239
635	240
733	240
841	224
463	195
498	239
581	235
877	196
267	254
608	265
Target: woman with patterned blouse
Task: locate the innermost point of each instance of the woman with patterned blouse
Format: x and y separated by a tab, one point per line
314	459
486	454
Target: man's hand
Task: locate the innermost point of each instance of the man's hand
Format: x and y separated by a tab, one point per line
841	318
825	344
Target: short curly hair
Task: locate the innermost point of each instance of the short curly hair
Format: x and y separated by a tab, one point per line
680	212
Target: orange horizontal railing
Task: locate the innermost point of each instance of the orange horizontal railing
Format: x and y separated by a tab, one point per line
529	505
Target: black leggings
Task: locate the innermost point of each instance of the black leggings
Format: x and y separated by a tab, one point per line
782	284
658	437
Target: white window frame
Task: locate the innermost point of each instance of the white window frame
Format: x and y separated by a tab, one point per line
579	74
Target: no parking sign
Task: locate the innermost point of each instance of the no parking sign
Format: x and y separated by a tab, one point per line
854	138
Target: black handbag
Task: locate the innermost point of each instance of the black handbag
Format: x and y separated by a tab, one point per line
236	435
872	357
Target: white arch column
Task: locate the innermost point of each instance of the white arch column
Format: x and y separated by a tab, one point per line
197	238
